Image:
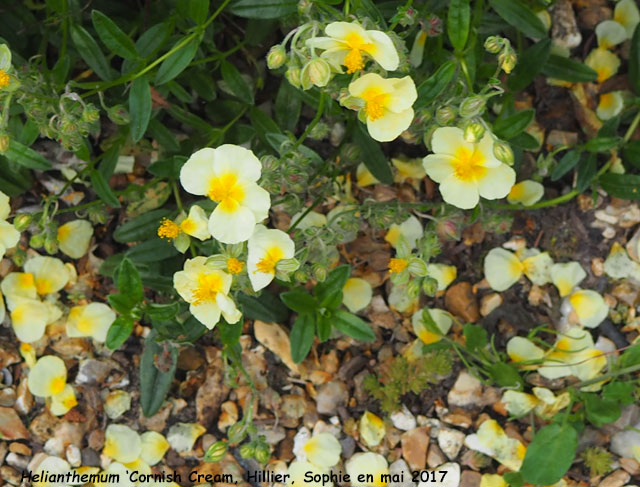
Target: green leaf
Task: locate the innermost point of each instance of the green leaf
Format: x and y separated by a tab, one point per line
198	10
177	62
568	162
109	161
141	227
619	392
623	186
153	250
288	106
121	303
602	144
550	454
530	62
506	375
335	281
90	51
299	301
139	107
265	307
517	14
162	312
372	155
600	410
25	156
155	382
524	141
229	333
475	337
586	171
323	326
458	23
103	190
630	357
508	127
129	282
112	36
435	84
514	479
301	337
351	325
263	9
119	331
153	38
634	62
236	82
566	69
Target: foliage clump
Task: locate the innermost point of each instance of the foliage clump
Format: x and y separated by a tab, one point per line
597	460
401	376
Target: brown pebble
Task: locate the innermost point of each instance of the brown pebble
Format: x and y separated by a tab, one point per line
470	478
461	301
20	448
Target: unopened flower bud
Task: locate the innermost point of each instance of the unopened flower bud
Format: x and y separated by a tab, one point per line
473	132
316	72
218	262
247	451
413	289
287	265
22	221
90	114
417	267
472	106
293	76
51	245
301	276
119	115
319	272
507	60
493	44
216	451
429	286
503	152
236	432
276	57
5	141
262	453
37	241
19	257
448	229
445	115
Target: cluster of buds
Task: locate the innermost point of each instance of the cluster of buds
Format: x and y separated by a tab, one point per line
502	47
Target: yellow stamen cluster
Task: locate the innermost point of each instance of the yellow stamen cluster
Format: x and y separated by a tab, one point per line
468	165
226	191
268	263
396	266
234	266
4	79
374	103
168	229
208	286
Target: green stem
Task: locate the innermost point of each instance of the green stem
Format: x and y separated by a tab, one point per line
224	129
313	123
608	375
632	128
406	6
315	203
465	71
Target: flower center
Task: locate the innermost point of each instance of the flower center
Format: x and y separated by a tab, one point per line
208	286
4	79
353	60
469	166
375	102
168	229
226	191
396	266
57	385
604	73
234	266
269	261
606	100
44	286
26	280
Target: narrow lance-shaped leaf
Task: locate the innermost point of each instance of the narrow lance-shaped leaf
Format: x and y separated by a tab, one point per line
113	37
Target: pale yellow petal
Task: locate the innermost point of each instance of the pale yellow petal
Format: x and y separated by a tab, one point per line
589	306
372	429
361	464
537	268
48	376
323	450
122	443
502	269
443	273
567	276
356	294
526	192
74	238
154	447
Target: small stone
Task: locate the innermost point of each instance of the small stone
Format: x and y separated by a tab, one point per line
182	436
400	469
11	427
490	302
74	456
190	359
95	440
17	461
20	448
24	400
92	371
228	415
414	447
564	28
450	442
158	421
273	337
403	419
272	435
470	478
458	417
460	300
435	456
627	293
615	479
467	391
331	396
7	397
10	475
597	266
117	403
592	15
630	465
451	476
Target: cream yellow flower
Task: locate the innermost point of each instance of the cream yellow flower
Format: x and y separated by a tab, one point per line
266	248
62	402
566	277
503	268
443	273
590	308
196	224
74	238
543	401
228	175
299	471
356	294
410	230
626	14
322	450
29	318
361	464
493	441
610	33
48	376
610	105
50	274
385	104
364	177
121	443
526	192
52	466
348	44
207	292
520	350
573	354
90	320
466	171
412	170
603	62
372	429
9	236
154	447
440	317
401	301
